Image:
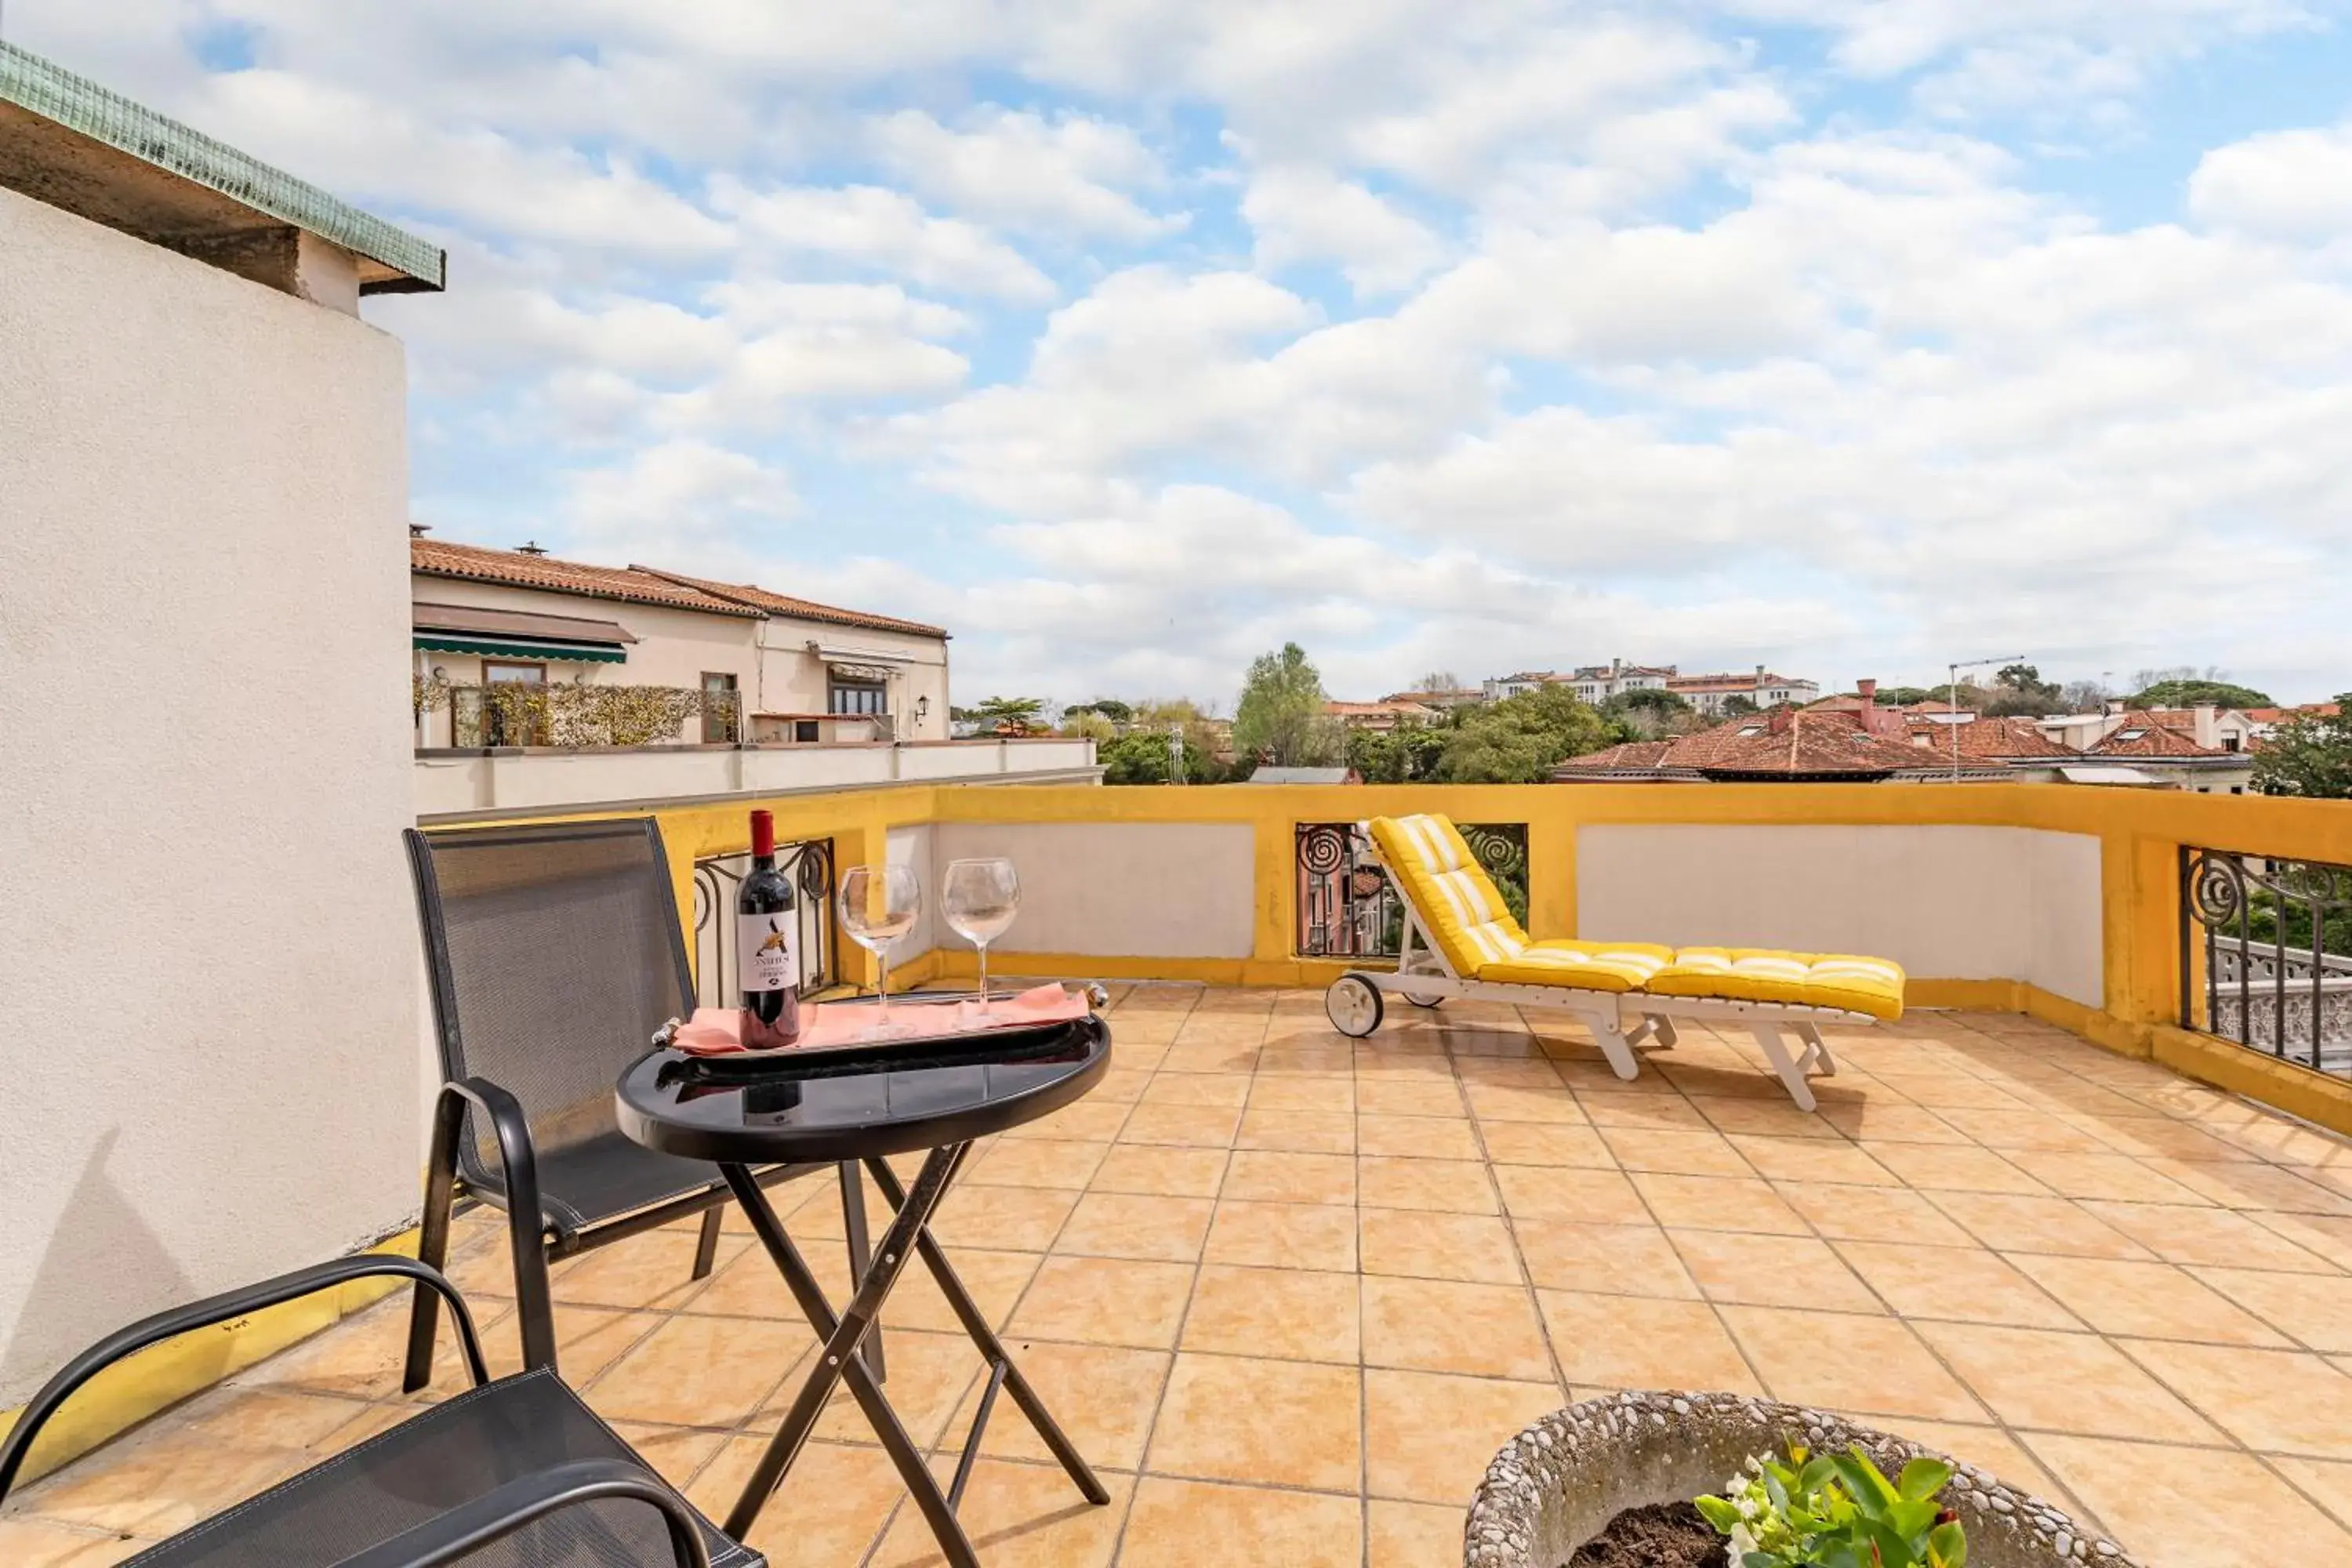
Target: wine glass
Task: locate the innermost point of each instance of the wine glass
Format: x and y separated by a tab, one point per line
980	898
879	904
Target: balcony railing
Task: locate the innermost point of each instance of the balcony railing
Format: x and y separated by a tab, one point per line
2277	939
717	877
1346	906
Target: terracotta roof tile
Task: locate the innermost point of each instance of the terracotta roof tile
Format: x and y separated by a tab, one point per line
2007	739
2142	734
472	563
773	604
1807	743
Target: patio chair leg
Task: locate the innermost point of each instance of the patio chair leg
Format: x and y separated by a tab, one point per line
1791	1070
1663	1028
433	1238
705	1246
1608	1032
1818	1048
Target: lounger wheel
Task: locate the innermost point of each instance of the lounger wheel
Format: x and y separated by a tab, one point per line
1353	1005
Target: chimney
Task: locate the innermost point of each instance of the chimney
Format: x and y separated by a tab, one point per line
419	530
1616	668
1868	691
1780	718
1760	678
2209	726
530	547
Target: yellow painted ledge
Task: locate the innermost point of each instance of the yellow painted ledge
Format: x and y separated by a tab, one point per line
161	1375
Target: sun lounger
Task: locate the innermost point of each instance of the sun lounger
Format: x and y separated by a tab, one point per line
1460	941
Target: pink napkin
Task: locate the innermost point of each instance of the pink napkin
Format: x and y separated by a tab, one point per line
716	1031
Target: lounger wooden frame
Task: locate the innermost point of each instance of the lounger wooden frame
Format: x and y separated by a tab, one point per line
1424	977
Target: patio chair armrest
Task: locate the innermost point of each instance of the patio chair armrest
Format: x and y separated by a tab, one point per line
467	1529
518	1161
221	1308
526	1221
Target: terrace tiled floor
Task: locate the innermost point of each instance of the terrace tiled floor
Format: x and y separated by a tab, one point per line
1289	1293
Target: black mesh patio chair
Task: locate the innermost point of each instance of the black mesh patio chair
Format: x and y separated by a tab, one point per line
513	1474
554	952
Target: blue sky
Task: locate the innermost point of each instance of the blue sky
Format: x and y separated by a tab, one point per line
1130	339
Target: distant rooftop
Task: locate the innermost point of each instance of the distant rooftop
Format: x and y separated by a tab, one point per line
68	142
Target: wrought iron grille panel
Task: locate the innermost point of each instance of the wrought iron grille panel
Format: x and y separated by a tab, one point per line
1346	906
2277	939
716	879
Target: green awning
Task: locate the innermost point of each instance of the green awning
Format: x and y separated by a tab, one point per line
500	647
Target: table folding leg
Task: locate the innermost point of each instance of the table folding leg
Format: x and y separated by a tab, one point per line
844	1336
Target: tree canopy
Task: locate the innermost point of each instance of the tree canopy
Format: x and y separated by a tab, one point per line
1110	707
2195	691
1280	716
1518	740
1437	680
2309	755
2020	691
1001	712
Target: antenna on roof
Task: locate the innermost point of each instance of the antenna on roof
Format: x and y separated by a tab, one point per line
530	547
419	530
1952	699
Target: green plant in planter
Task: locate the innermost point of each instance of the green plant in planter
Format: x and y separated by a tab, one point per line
1837	1510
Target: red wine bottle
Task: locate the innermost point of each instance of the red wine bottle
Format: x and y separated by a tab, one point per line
767	942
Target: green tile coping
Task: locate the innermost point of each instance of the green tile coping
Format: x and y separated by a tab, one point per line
42	88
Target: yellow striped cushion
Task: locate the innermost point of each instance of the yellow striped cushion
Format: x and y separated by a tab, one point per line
1616	966
1458	905
1872	986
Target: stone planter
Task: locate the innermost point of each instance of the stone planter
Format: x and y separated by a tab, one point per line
1559	1483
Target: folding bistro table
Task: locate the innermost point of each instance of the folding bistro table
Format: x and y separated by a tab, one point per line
866	1104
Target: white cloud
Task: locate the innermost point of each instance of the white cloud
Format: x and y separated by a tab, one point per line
2290	185
675	500
1065	177
1304	214
868	227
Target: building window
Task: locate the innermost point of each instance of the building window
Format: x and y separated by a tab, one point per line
2229	743
2237	789
804	731
846	695
722	713
495	670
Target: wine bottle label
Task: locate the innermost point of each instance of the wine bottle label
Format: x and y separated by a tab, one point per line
765	946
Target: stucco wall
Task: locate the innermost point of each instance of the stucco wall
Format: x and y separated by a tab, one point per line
1946	902
207	944
795	680
1117	889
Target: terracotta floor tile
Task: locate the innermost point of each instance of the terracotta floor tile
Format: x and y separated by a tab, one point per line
1414	1534
159	1481
1190	1053
994	1279
1545	1144
1618	1260
1150	1168
2117	1178
1541	1193
1872	1365
1283	1312
700	1372
1036	1163
1282	1423
928	1374
1668	1112
2314	1309
1433	1325
2013	1223
1106	1301
2269	1188
37	1543
2235	1516
1268	1175
676	1453
1540	1103
1016	1516
2064	1382
2286	1401
1429	1437
2148	1300
1894	1215
1420	1244
2328	1480
1296	1093
1136	1224
833	1503
1184	1524
1416	1136
650	1270
2325	1237
1454	1187
1190	1126
1624	1341
1987	1447
1283	1235
1327	1054
1226	1090
1965	1284
1676	1153
1876	1121
1088	1119
1771	1272
2022	1128
1410	1097
2162	1135
1019	1219
1950	1167
1814	1160
1718	1202
1102	1396
2195	1233
1298	1131
1763	1118
270	1418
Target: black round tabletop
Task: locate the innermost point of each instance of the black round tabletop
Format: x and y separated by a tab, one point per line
902	1098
